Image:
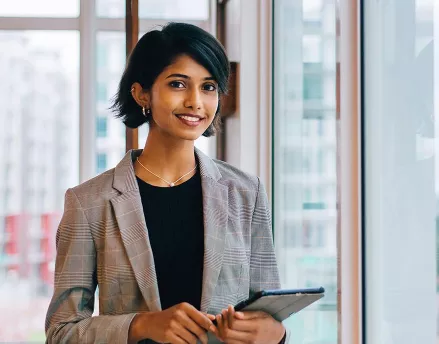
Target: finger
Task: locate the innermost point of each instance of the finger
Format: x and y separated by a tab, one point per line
214	330
210	316
186	335
233	335
231	316
174	338
239	315
193	328
225	317
220	326
203	338
200	318
245	325
251	315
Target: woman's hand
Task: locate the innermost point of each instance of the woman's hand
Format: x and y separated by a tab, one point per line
248	327
180	324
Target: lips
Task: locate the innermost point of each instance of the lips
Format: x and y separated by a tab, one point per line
189	119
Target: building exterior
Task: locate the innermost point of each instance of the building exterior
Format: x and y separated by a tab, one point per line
305	146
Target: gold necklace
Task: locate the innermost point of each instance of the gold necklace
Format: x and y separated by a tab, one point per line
171	184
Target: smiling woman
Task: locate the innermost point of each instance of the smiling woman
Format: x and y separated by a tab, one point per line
170	236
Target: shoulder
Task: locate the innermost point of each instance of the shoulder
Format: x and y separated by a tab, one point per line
234	177
95	189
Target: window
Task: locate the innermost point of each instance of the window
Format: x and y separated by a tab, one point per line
102	94
312	86
303	160
110	55
157	9
401	134
39	86
101	126
41	8
312	10
101	162
311	49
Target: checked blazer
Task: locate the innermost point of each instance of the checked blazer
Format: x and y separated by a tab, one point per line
102	240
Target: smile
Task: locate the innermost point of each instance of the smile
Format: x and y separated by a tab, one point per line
190	120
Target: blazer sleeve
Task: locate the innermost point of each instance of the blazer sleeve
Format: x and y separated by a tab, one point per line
69	316
264	273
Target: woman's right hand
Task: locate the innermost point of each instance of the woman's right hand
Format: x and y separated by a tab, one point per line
180	324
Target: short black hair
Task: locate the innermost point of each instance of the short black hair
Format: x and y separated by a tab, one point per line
158	49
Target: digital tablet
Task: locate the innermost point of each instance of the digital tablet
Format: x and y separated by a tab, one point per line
281	303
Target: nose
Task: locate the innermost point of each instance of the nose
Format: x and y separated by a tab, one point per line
193	99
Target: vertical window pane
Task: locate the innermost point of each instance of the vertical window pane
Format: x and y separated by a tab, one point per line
110	56
39	140
305	160
101	127
402	171
157	9
101	162
40	8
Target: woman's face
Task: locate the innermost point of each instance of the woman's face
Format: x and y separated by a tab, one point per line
183	100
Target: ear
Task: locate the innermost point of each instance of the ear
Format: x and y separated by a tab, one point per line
141	96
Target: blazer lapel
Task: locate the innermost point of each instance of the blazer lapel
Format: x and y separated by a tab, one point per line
129	216
215	213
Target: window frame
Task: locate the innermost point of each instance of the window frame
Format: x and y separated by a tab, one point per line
350	236
88	24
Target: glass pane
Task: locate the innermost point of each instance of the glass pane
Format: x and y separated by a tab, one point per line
110	143
402	171
39	160
157	9
305	183
40	8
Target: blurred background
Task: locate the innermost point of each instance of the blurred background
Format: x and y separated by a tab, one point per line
336	109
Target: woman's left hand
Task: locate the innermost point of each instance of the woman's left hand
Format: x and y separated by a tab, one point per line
248	327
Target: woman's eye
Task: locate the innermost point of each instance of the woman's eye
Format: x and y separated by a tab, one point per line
209	87
176	84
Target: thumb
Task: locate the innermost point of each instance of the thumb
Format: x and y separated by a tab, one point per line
210	316
250	315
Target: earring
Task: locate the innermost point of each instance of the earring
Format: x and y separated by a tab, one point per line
146	112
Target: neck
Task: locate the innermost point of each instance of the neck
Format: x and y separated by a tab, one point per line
170	159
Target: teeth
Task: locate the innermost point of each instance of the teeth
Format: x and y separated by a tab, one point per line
190	119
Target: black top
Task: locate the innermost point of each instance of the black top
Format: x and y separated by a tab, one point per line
174	218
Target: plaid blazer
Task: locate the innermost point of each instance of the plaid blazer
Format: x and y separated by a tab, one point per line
102	240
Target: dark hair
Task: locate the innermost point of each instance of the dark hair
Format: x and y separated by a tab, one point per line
158	49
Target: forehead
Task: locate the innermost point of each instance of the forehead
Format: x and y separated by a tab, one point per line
186	65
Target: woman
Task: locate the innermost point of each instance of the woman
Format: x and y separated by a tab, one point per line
171	237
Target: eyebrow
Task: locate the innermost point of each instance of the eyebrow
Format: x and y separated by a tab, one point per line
183	76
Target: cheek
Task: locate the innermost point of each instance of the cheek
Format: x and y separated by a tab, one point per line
166	101
212	106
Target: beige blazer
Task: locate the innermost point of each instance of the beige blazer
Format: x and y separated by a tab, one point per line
102	241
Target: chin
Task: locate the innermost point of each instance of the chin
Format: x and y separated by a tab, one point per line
189	136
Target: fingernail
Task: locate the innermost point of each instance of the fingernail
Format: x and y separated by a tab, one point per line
240	314
212	328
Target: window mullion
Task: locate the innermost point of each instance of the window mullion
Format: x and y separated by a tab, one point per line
25	23
87	144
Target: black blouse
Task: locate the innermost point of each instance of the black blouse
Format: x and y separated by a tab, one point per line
174	218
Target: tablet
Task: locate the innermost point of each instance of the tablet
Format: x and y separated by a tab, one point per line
282	303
